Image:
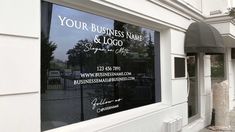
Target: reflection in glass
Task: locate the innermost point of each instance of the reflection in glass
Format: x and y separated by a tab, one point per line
217	68
193	86
94	66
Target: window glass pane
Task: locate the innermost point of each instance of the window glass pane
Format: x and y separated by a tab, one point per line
217	68
93	66
192	65
192	87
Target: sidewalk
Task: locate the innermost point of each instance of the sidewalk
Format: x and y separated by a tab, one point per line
232	123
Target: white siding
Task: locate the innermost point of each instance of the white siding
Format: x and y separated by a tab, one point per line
20	66
20	17
20	113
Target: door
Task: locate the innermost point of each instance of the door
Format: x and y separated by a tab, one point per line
193	87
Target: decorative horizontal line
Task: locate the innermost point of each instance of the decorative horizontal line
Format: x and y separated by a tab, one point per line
18	36
22	93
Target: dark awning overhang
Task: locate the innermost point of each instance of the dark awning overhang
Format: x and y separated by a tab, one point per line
203	38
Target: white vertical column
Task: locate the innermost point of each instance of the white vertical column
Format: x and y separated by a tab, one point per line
166	67
230	76
205	87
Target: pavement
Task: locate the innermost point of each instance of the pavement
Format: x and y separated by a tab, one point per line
232	124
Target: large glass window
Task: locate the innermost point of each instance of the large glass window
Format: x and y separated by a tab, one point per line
93	66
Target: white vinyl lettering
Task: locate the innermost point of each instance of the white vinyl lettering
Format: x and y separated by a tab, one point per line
93	27
78	25
62	20
69	23
84	26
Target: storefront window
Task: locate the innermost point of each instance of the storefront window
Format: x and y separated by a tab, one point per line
93	66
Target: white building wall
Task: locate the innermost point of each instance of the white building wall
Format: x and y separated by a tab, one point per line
20	70
179	85
231	3
213	5
204	7
226	29
20	66
195	4
152	122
